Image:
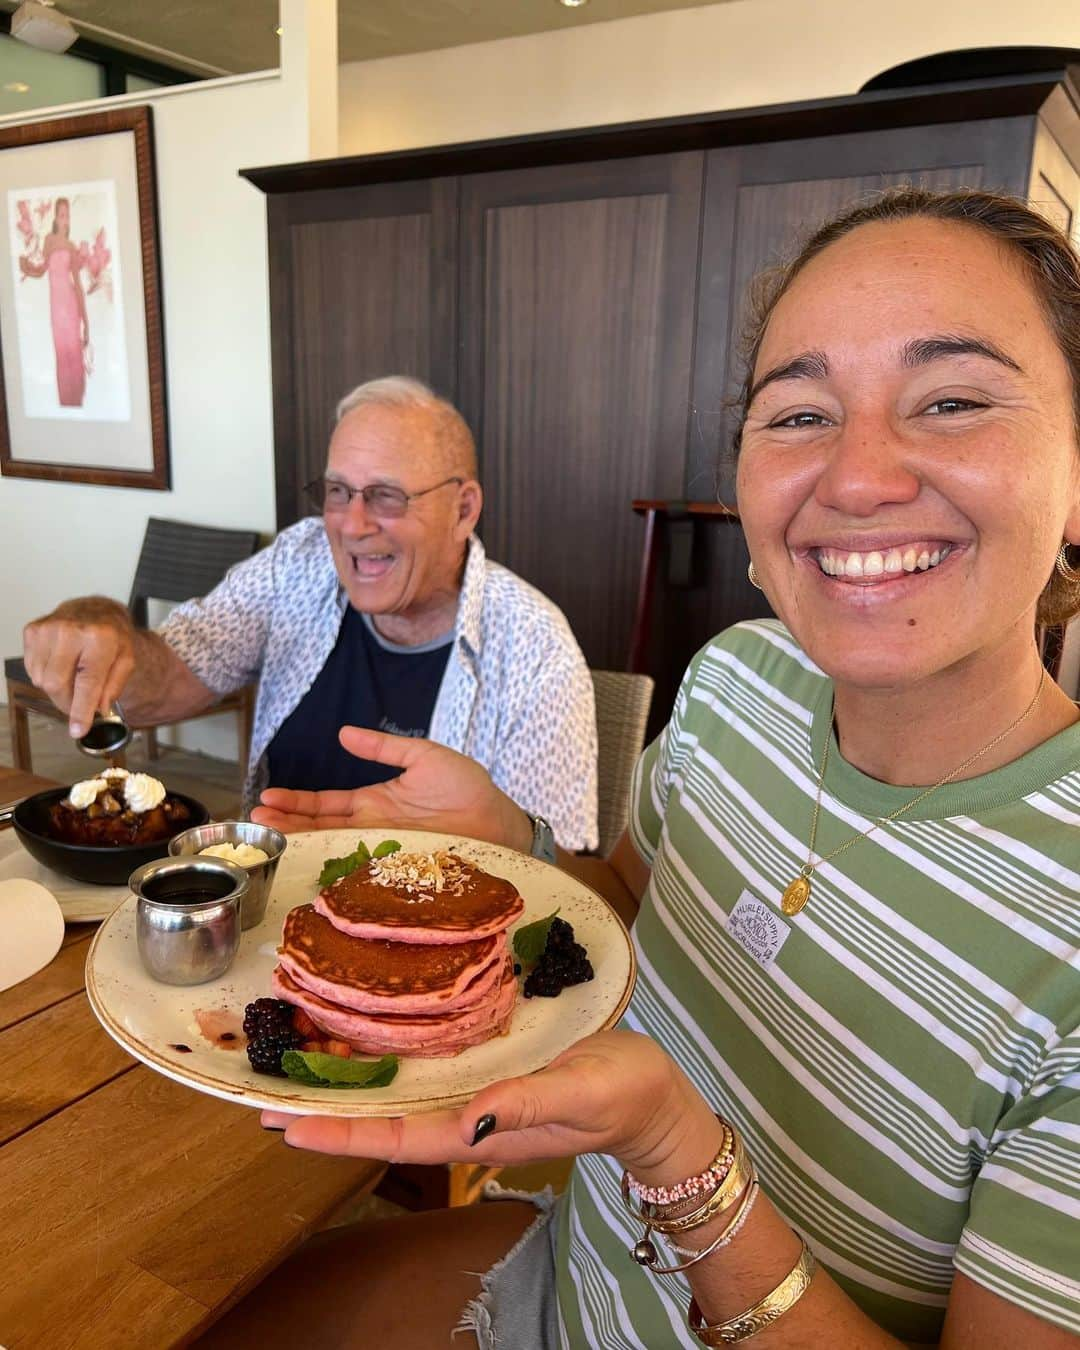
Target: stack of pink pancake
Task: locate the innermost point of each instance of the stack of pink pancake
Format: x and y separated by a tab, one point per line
407	955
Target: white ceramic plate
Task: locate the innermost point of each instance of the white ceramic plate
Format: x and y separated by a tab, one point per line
79	901
151	1019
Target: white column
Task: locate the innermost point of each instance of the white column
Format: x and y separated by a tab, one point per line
309	66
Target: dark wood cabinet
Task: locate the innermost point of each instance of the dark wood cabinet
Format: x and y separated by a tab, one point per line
580	297
575	369
363	282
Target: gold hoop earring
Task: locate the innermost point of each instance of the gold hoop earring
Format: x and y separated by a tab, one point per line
1069	573
752	575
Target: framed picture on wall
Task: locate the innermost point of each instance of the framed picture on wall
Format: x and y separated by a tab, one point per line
82	374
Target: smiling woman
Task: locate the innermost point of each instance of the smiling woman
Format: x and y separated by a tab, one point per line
1049	276
893	1060
906	486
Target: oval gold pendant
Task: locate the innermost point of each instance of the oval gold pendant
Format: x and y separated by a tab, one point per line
796	896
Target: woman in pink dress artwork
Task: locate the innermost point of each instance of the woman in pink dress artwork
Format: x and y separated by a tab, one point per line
67	305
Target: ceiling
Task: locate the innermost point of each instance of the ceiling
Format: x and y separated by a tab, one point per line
235	36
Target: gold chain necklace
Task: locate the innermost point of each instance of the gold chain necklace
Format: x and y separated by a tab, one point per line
797	892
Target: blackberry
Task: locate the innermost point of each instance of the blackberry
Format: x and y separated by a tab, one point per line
264	1052
266	1015
268	1025
563	962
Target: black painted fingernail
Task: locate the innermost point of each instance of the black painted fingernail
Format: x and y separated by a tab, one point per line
484	1126
282	1128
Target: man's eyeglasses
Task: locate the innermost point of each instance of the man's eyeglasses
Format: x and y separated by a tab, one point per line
380	499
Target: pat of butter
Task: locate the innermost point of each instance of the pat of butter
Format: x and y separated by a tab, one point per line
244	855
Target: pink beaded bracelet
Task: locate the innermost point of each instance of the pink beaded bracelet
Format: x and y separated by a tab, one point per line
682	1190
713	1175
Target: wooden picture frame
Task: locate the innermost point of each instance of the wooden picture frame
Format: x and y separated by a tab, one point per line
82	362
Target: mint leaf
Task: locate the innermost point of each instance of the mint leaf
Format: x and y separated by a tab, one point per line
384	849
317	1069
334	869
531	940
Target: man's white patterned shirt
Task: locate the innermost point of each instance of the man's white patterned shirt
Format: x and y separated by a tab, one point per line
516	696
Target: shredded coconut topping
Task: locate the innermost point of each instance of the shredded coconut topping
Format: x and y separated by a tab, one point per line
420	874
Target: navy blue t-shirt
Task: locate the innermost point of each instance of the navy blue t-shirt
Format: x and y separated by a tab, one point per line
366	682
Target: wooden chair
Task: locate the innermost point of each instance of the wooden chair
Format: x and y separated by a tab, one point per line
622	711
176	562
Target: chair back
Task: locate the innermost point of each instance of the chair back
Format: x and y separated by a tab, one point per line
180	561
622	711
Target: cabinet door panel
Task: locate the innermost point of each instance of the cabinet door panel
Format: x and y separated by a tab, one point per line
366	287
578	284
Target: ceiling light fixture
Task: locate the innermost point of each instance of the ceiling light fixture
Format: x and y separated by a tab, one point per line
16	87
41	26
573	4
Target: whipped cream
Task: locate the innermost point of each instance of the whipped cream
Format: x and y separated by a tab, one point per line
85	794
244	855
143	793
114	775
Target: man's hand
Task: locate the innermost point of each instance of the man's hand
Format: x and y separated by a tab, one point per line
82	655
437	790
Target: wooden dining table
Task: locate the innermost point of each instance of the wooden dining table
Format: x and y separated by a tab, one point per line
133	1210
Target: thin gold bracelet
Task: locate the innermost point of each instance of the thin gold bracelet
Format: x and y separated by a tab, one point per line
722	1198
725	1195
645	1253
773	1306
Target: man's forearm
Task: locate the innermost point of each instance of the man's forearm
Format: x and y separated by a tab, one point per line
161	688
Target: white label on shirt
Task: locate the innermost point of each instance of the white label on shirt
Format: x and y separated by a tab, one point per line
757	929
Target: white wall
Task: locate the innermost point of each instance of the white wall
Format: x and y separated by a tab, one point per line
735	55
63	539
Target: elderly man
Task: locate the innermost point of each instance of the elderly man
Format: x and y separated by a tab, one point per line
382	613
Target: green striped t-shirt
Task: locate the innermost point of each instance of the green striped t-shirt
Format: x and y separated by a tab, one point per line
903	1057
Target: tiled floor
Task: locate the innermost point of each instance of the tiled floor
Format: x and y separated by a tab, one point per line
216	783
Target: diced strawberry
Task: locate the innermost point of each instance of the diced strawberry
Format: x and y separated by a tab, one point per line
320	1046
302	1023
340	1048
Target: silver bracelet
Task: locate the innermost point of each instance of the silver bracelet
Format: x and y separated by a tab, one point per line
746	1204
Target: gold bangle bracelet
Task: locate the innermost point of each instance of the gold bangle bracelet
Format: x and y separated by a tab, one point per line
645	1253
773	1306
725	1195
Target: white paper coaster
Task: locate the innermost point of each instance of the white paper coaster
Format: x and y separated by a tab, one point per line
32	927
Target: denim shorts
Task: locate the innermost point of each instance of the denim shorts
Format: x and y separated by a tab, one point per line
517	1307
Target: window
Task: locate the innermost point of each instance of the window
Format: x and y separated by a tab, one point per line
34	79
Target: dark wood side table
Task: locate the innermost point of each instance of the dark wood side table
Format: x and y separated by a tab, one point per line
659	515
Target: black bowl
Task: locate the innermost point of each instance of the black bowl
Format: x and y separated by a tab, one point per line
104	866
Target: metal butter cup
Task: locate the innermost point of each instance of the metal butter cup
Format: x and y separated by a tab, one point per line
260	875
187	920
